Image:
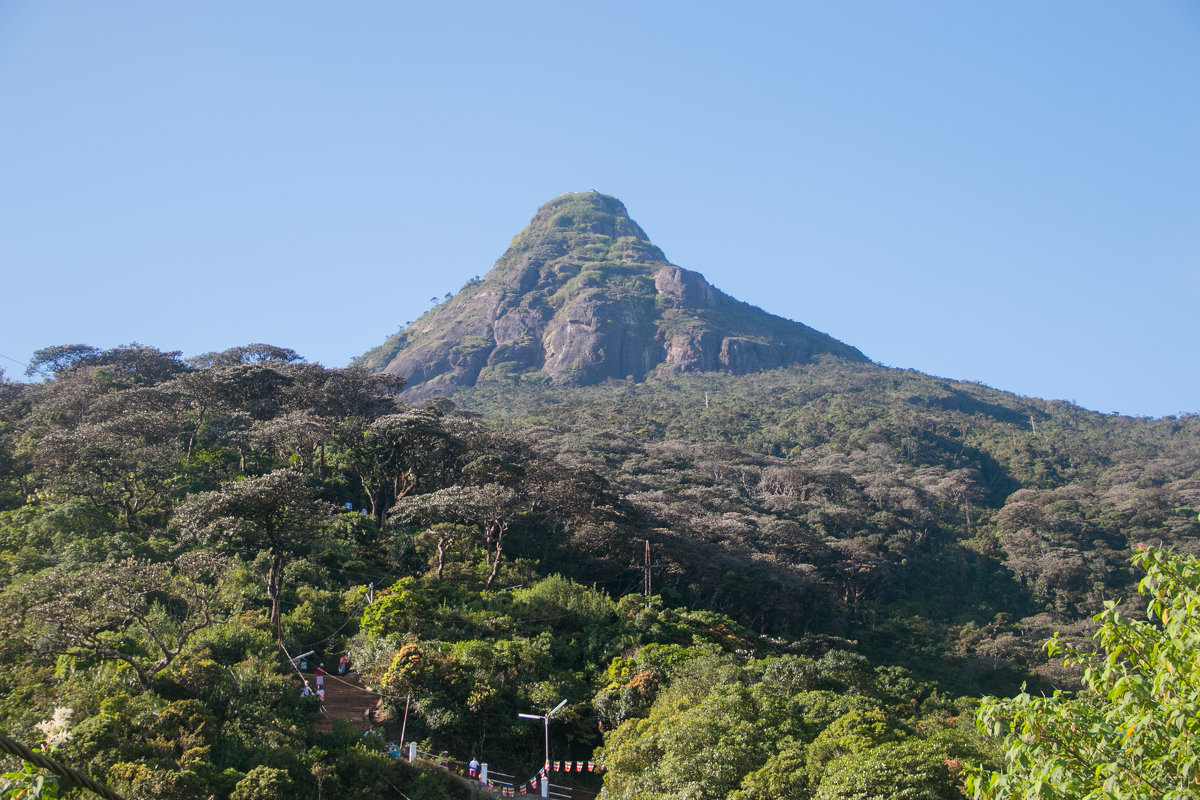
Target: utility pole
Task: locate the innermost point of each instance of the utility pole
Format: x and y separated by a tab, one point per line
646	575
404	725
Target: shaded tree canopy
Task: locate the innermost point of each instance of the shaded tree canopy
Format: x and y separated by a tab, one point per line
276	511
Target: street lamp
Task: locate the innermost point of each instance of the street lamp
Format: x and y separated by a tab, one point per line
545	718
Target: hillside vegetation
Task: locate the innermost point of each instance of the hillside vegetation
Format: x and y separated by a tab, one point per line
839	552
942	524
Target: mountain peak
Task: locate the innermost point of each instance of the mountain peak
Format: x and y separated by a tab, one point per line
582	295
575	229
585	213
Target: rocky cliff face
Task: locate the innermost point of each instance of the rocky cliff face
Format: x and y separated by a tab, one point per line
581	296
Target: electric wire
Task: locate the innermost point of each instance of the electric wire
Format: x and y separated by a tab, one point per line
15	361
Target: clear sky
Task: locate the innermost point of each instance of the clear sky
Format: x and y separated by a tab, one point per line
1006	192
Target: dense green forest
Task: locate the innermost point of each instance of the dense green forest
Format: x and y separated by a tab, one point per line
842	556
941	524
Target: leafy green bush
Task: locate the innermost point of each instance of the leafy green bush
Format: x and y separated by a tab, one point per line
1134	732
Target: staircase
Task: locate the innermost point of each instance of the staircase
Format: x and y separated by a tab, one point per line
345	698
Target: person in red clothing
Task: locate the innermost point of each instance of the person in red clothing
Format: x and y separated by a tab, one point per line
320	673
343	663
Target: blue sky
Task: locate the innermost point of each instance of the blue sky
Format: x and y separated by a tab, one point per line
1002	192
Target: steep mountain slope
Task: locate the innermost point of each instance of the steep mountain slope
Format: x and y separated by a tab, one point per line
580	296
946	524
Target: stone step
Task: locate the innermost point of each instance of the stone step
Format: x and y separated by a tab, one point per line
345	698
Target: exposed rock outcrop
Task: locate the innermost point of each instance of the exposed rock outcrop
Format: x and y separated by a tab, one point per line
582	296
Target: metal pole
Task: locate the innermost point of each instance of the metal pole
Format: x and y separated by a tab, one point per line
545	718
646	576
404	725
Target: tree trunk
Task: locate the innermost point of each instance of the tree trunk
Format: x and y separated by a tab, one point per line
492	574
496	561
489	531
194	433
376	504
274	578
143	677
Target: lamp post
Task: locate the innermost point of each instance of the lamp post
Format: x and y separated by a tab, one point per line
545	718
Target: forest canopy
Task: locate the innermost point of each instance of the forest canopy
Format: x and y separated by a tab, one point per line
839	558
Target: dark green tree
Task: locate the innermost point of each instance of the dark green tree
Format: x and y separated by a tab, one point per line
276	512
139	613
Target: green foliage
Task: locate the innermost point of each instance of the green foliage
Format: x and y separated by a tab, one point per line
943	527
1133	732
784	776
694	750
262	783
852	733
29	782
561	600
911	770
716	730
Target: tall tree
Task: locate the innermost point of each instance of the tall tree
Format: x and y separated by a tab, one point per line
136	612
276	511
122	455
50	361
491	507
256	353
393	454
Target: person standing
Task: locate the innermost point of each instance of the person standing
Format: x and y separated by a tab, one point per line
473	767
343	663
320	673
